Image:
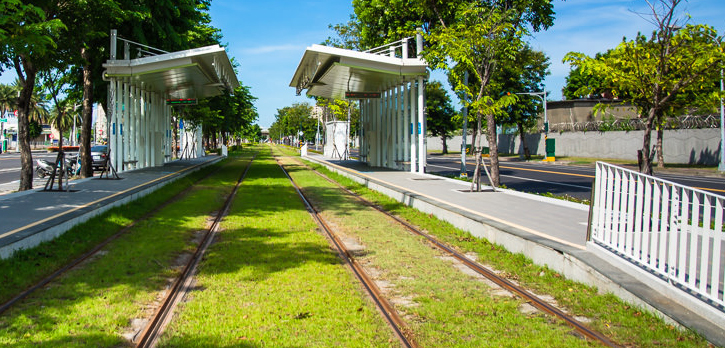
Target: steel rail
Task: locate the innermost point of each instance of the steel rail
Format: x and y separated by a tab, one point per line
503	282
157	323
388	311
72	264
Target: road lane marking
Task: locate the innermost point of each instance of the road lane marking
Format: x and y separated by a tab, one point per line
529	179
581	175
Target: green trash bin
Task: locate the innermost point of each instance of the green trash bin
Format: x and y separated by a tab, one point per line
4	146
550	148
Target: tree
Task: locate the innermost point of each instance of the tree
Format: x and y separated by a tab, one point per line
439	112
28	41
525	75
584	84
653	71
290	120
462	35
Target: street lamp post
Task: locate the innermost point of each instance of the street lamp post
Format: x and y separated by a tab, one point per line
541	95
721	166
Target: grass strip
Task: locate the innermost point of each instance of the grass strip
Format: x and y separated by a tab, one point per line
96	304
271	279
28	266
443	306
625	324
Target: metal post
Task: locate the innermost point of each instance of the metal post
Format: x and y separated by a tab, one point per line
419	42
464	171
421	126
721	166
114	39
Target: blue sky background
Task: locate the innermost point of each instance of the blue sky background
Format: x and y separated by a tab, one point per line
268	38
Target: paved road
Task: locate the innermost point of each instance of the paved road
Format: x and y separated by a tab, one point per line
541	177
10	170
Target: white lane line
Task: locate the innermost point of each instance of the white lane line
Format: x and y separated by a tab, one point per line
528	179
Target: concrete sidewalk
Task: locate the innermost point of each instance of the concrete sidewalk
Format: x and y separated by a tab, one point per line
551	232
31	217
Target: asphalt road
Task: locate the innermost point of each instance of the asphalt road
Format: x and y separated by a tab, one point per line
542	177
10	170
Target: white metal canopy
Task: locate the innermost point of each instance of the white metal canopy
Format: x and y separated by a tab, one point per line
392	98
330	72
139	119
195	73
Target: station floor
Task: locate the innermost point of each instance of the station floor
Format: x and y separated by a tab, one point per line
534	225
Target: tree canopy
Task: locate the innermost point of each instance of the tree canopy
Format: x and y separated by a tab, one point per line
72	36
652	72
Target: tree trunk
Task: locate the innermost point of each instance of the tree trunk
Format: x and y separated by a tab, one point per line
658	148
643	156
26	157
86	117
445	146
522	136
493	149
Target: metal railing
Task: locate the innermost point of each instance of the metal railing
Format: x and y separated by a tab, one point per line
672	231
397	49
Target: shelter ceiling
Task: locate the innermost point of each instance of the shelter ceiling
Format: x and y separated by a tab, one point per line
196	73
330	72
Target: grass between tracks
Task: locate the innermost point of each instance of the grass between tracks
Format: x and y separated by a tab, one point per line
442	307
271	279
95	304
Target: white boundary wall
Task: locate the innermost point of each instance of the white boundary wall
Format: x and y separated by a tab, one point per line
686	146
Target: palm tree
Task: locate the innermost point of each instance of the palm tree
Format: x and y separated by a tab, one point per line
8	97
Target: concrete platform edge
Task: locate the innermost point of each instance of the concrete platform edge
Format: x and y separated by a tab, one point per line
576	264
49	231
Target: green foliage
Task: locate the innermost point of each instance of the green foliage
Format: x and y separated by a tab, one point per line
525	75
290	120
660	74
439	112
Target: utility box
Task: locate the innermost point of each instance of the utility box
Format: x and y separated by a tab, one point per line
550	149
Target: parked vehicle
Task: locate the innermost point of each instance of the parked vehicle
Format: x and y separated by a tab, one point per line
43	168
99	153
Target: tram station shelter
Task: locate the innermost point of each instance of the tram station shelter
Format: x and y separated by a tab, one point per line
389	85
142	92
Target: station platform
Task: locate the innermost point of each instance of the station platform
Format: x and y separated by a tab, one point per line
30	217
549	231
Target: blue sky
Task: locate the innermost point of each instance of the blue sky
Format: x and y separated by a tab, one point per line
268	38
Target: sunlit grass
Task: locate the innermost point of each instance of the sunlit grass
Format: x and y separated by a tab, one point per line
625	324
95	304
271	279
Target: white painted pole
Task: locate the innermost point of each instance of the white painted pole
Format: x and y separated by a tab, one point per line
406	124
421	124
127	98
110	118
413	131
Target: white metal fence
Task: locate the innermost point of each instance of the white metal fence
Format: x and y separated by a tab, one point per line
670	230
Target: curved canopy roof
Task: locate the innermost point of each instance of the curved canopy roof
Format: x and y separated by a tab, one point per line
330	72
196	73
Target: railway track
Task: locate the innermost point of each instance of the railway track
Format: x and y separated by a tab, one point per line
91	253
389	313
161	317
148	337
502	282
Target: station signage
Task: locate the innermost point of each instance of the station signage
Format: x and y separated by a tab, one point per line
362	95
181	101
